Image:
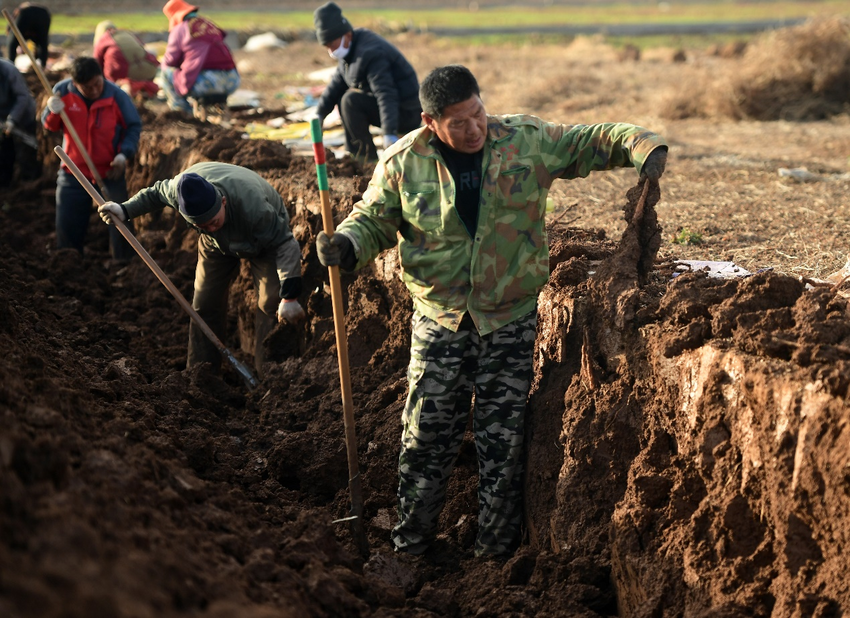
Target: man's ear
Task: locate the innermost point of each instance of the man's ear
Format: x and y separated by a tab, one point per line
428	120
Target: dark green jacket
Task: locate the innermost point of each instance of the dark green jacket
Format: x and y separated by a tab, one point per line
257	223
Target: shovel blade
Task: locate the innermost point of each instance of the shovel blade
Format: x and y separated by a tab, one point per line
244	373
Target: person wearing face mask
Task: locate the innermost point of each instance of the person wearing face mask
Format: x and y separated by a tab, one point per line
238	215
374	84
108	123
464	201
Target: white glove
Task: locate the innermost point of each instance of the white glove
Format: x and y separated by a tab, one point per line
10	124
291	311
119	161
55	104
389	140
111	209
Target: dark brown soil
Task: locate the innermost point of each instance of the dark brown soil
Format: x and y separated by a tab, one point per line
687	449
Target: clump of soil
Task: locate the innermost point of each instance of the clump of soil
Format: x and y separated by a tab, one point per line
687	453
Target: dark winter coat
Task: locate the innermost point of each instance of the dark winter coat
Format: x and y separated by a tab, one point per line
374	66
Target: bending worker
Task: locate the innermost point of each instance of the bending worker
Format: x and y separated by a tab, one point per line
373	84
464	199
33	22
125	60
239	215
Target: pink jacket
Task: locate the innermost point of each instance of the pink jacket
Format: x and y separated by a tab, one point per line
196	45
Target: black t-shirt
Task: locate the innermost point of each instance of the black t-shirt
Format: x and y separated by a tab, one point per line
466	171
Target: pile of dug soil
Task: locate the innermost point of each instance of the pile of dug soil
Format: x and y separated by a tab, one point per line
688	437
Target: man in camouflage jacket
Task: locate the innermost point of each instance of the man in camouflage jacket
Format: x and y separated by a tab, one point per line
464	198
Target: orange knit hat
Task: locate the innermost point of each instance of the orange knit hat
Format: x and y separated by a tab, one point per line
175	11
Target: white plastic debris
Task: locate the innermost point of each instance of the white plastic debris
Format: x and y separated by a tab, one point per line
322	75
244	98
800	174
267	40
722	270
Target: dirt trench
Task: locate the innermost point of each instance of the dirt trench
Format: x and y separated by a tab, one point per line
687	437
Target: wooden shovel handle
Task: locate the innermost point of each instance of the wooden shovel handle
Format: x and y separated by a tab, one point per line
146	257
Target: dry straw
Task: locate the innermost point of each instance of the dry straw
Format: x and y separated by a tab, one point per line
800	73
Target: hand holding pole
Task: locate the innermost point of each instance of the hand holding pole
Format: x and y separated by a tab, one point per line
246	375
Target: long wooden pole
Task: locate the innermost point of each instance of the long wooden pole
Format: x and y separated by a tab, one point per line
68	125
355	487
241	369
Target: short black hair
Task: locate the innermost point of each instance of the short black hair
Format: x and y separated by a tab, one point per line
84	69
445	86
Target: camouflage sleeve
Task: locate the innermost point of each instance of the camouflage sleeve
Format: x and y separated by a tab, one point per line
375	220
573	151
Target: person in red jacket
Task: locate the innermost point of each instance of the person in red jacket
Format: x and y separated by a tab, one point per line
125	61
197	63
109	127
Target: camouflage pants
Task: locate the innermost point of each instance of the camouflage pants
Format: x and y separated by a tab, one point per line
446	368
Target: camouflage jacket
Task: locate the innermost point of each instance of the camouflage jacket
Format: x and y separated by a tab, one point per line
497	274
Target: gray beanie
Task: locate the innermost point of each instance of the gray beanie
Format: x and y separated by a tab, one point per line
330	23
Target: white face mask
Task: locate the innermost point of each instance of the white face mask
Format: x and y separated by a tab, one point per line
340	52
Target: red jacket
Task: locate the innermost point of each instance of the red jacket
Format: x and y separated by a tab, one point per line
109	126
123	56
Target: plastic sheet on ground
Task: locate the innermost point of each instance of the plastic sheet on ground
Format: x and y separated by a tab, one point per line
296	135
244	98
723	270
267	40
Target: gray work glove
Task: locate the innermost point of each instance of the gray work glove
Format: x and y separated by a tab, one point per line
107	210
332	248
654	165
291	311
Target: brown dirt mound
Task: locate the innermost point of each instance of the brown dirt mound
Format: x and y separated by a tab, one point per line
799	73
687	449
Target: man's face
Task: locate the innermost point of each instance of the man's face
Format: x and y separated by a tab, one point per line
215	224
462	127
92	89
333	45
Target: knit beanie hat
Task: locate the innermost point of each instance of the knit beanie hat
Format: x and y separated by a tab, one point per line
175	11
330	23
197	199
